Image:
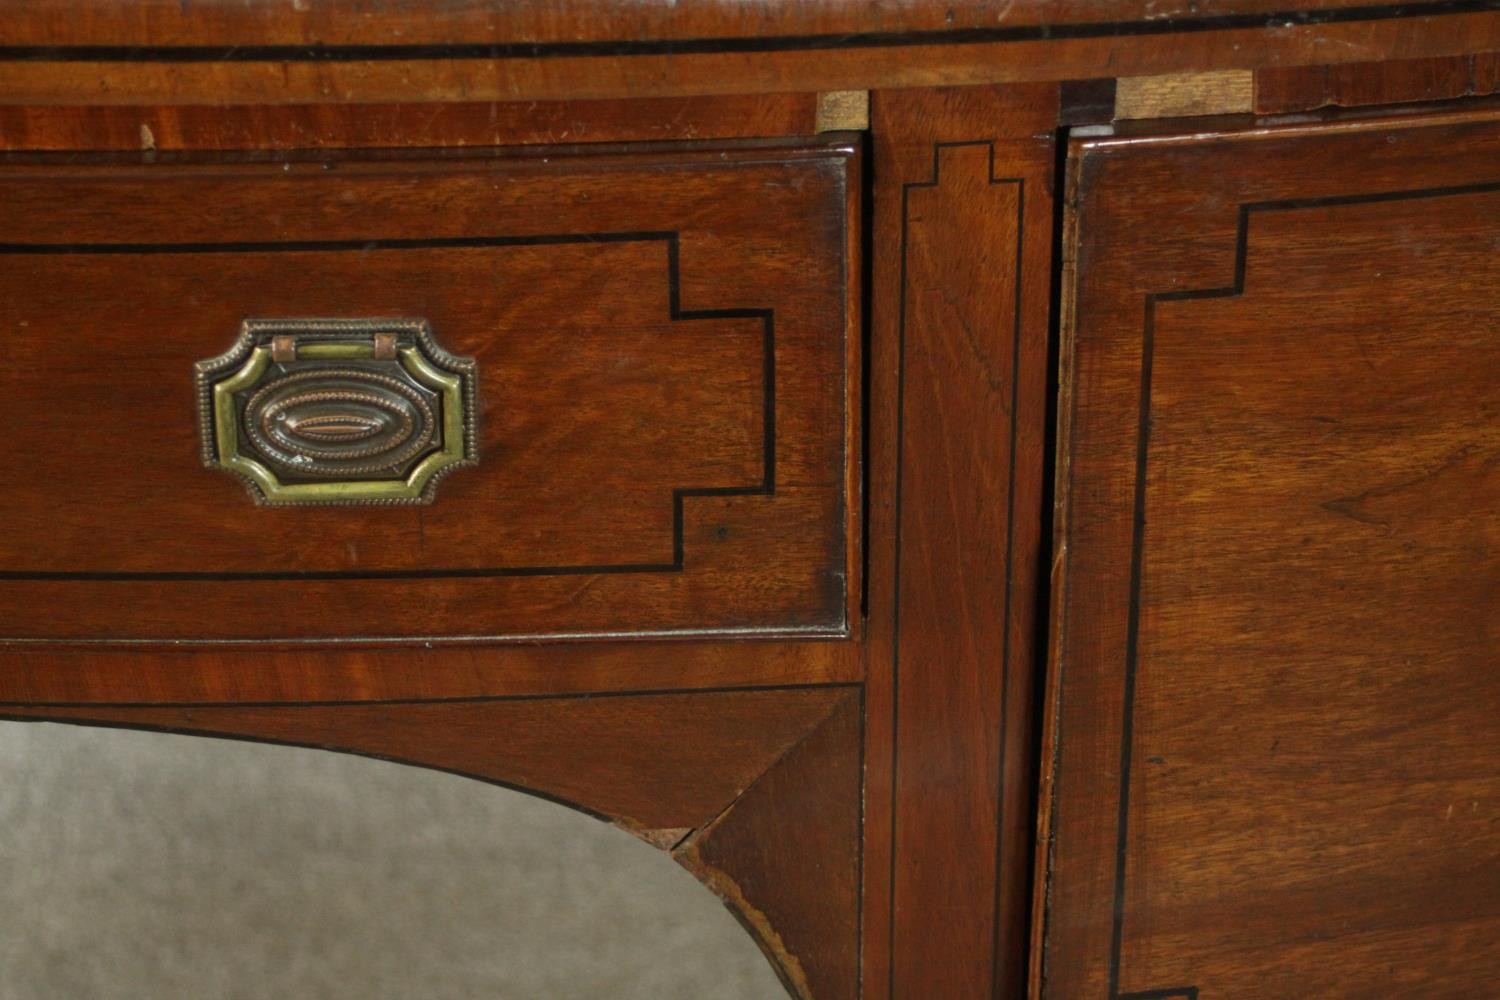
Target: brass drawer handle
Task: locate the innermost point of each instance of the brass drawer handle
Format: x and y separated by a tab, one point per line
337	411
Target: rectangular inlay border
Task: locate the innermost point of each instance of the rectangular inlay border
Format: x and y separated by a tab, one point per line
766	487
901	369
1138	518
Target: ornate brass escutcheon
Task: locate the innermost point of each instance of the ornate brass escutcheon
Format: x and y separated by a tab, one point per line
337	411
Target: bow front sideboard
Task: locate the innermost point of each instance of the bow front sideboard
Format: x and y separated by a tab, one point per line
1006	493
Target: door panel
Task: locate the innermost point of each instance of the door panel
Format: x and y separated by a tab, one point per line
1274	753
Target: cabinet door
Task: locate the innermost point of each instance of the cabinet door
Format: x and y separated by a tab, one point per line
1274	748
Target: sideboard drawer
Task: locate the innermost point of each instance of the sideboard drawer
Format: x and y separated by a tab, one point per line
646	426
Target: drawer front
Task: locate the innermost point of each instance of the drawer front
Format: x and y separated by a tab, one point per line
655	353
1274	763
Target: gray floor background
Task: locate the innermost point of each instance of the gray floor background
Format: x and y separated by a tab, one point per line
156	867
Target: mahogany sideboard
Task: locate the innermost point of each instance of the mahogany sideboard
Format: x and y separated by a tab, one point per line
1006	493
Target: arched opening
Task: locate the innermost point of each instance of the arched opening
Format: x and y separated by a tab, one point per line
146	864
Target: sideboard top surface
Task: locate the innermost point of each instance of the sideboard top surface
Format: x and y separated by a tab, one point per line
90	52
627	24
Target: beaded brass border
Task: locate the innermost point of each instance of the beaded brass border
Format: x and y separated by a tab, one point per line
451	377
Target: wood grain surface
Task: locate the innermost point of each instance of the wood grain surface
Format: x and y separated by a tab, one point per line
786	857
847	49
215	126
1272	768
609	25
1224	92
1269	747
662	342
659	765
963	214
258	672
725	779
1400	81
